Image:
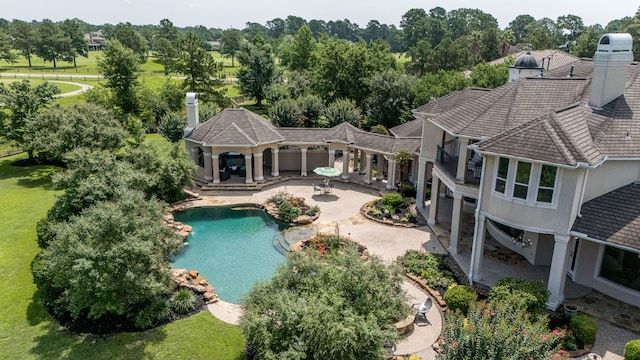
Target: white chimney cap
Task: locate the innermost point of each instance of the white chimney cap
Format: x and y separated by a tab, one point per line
615	43
192	98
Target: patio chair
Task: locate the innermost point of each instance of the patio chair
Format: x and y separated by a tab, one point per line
316	189
422	311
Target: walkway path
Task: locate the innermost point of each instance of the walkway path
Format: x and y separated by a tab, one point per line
340	211
83	88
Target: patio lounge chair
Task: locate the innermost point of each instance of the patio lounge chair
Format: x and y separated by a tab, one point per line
422	311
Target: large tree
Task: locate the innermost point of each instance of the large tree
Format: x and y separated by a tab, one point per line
519	26
201	71
390	99
302	50
24	38
6	48
107	270
231	42
130	38
22	101
53	133
121	66
257	72
342	110
72	30
332	307
165	43
51	43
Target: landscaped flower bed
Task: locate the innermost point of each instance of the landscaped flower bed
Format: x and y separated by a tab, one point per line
392	209
329	243
291	209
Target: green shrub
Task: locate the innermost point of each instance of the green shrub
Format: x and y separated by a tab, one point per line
534	293
287	212
393	199
632	350
460	297
183	302
428	266
584	328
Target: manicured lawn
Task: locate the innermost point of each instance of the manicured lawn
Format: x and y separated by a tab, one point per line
26	329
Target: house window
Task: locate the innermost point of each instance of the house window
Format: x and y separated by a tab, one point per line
200	157
547	183
621	266
521	185
501	176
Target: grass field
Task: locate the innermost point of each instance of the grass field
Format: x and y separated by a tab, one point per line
89	66
26	329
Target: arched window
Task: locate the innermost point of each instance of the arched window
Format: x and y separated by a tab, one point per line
200	157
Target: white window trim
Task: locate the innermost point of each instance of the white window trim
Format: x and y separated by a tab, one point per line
533	186
528	185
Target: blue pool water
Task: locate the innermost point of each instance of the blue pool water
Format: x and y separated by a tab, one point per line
232	247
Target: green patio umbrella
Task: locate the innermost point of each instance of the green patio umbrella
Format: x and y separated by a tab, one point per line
327	171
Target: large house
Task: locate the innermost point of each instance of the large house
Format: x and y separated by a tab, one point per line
549	165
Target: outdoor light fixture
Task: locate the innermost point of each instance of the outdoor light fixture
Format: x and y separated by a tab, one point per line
520	242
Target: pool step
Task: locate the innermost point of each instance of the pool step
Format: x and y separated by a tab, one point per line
293	235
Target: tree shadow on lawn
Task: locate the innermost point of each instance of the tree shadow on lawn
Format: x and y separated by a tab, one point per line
28	176
56	342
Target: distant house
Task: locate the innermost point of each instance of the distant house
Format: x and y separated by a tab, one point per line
95	40
547	166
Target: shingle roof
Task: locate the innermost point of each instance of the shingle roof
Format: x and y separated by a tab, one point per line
613	217
304	135
561	137
411	128
587	134
236	127
450	101
241	127
511	105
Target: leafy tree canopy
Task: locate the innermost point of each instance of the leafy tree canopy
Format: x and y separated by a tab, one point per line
331	307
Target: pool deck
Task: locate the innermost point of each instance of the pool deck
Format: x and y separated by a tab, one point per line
340	212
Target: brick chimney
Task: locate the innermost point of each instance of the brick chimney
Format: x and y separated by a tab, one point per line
610	65
192	113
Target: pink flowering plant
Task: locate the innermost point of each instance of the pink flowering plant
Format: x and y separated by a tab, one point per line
499	330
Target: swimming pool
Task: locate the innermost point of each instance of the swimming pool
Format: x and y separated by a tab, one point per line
230	246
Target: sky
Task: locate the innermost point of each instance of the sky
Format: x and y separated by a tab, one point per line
235	14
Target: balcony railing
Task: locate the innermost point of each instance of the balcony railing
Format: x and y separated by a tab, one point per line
449	163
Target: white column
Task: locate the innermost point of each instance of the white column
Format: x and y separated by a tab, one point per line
247	165
208	170
192	151
433	208
361	163
367	169
379	167
557	273
391	174
216	168
275	170
346	157
456	217
422	164
477	251
332	157
462	160
257	160
303	155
